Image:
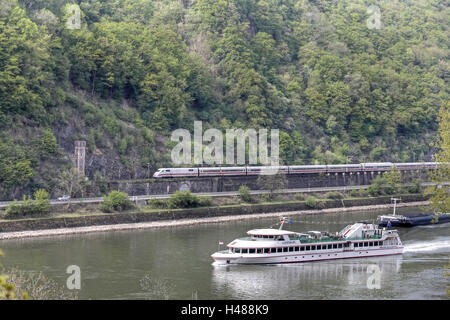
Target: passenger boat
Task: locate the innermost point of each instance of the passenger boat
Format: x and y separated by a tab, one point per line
265	246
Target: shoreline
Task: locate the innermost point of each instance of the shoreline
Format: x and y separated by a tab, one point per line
191	221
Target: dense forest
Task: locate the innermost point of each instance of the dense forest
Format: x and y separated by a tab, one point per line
338	89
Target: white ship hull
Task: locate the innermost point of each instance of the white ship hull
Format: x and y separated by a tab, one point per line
265	246
225	258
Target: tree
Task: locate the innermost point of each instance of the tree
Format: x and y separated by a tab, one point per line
116	201
71	183
440	193
244	193
8	290
392	181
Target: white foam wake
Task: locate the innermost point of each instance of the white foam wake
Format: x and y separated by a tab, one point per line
427	246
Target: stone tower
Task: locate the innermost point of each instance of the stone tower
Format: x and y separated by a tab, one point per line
80	156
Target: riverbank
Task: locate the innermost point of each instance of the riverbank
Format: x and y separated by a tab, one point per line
183	217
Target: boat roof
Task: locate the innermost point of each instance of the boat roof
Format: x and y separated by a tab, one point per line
269	232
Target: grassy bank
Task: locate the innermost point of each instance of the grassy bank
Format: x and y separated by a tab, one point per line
230	206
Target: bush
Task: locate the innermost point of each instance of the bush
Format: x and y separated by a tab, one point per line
300	197
415	188
363	193
183	199
311	202
40	205
334	195
158	203
244	193
205	201
116	201
267	197
354	193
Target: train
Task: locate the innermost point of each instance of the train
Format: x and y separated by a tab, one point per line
258	170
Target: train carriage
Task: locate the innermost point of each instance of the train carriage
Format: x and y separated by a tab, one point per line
381	166
234	171
207	172
307	169
344	167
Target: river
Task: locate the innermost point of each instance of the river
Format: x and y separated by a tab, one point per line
175	263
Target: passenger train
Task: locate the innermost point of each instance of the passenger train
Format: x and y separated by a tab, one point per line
257	170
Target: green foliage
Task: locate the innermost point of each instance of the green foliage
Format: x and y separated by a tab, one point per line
389	183
116	201
311	202
158	203
244	193
415	188
138	69
375	187
49	146
28	207
8	290
334	195
300	197
185	199
440	192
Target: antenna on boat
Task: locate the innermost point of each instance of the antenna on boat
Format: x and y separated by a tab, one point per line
395	203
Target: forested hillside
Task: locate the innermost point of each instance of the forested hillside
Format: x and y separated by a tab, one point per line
338	90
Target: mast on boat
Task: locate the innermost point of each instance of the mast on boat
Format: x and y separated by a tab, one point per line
395	203
282	221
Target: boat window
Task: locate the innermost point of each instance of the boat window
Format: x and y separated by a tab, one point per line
313	247
285	249
334	246
302	248
366	244
244	250
370	244
375	243
296	248
237	250
380	243
258	250
291	249
279	249
308	248
266	250
251	250
340	245
329	246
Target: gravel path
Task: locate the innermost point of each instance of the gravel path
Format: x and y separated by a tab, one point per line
186	222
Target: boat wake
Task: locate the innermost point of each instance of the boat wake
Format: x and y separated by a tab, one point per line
428	246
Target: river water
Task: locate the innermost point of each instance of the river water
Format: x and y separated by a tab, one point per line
175	263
